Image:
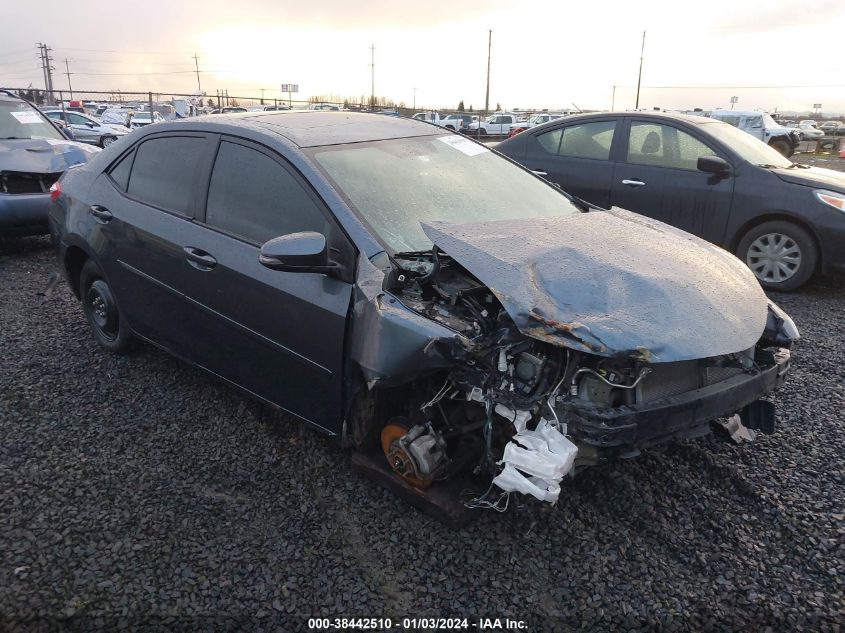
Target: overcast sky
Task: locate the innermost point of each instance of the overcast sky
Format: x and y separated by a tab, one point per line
544	54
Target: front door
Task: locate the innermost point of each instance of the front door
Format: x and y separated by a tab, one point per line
279	335
658	177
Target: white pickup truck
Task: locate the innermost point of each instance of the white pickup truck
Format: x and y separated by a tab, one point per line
761	126
498	124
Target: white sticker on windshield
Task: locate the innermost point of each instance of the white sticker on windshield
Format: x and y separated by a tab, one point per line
463	144
26	117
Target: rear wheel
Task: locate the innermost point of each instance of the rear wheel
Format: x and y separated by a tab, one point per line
107	140
483	132
782	255
101	311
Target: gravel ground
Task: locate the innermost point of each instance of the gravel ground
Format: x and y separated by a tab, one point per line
136	492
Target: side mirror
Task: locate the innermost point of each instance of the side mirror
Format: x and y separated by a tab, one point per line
713	165
305	252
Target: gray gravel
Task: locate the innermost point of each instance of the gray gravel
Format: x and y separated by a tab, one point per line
136	492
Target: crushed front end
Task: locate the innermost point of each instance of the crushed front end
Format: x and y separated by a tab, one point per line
508	390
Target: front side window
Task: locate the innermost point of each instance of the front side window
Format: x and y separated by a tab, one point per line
664	146
254	197
163	171
395	185
588	140
77	119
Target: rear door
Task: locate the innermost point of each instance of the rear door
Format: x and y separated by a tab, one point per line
658	177
141	214
280	335
577	157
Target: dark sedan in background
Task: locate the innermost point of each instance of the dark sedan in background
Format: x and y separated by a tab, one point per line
389	281
785	221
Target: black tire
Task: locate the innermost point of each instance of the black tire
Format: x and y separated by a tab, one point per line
450	127
105	141
782	237
101	311
781	146
483	132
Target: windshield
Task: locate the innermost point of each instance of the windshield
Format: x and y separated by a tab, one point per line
20	120
395	184
768	121
747	146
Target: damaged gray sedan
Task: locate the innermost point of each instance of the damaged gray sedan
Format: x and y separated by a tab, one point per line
417	295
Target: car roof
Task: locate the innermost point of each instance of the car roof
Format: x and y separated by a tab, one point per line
312	128
657	116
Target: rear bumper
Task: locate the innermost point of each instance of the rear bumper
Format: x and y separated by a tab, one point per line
678	416
24	214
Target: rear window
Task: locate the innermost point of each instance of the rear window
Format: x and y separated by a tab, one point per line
163	171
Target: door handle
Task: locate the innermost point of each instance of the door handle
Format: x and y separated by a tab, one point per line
537	172
199	259
101	213
633	183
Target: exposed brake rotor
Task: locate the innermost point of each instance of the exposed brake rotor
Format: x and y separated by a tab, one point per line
398	458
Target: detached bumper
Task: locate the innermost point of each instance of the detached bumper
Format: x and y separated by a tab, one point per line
24	213
678	416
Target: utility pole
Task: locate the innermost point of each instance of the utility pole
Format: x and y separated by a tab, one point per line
46	66
43	64
197	65
372	76
487	94
639	78
68	79
414	107
262	96
613	99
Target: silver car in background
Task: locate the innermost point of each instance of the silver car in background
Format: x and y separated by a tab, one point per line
87	129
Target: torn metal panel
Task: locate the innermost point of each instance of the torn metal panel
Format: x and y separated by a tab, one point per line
42	156
391	343
599	282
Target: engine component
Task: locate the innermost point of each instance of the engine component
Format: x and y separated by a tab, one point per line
417	455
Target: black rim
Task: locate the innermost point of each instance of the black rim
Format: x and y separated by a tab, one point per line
102	309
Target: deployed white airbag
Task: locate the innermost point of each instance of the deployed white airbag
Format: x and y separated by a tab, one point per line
545	454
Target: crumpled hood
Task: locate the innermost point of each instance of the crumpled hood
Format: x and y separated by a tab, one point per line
42	156
612	283
813	177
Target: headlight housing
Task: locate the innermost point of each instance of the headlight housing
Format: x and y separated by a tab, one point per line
831	199
780	328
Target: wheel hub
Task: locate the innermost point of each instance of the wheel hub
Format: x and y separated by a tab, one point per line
774	257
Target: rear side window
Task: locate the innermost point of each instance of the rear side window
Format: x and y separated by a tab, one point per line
163	171
253	196
120	172
588	140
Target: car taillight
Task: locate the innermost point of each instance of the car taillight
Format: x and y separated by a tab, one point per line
55	190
